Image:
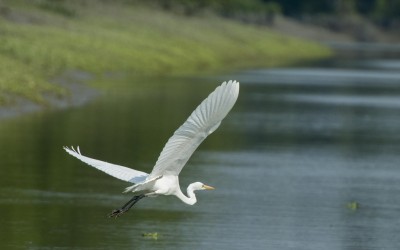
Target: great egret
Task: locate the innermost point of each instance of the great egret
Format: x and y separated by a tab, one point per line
163	180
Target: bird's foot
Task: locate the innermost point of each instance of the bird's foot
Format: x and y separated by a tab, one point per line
116	213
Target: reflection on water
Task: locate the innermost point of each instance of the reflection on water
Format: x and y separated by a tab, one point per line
382	64
350	100
299	148
322	77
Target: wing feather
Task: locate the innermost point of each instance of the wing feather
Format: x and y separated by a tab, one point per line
120	172
204	120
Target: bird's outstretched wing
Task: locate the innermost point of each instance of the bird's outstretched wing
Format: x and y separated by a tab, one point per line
120	172
204	120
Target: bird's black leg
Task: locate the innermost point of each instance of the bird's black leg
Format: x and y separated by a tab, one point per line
118	212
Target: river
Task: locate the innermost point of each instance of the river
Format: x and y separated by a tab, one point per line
307	159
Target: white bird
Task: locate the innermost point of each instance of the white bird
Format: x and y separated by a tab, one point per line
163	180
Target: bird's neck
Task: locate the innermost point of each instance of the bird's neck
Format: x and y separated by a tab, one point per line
190	199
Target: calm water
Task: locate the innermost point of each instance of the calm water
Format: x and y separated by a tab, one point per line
307	159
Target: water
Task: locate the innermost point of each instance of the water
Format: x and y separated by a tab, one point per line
307	159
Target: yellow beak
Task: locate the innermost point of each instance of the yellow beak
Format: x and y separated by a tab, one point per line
208	187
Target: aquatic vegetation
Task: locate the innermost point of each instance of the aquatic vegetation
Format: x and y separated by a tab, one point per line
153	236
353	205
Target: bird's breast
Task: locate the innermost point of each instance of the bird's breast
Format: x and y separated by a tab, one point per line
167	185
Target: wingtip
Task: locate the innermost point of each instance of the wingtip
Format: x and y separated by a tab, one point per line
233	86
236	84
232	83
72	149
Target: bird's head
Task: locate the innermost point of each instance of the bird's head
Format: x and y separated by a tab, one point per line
200	186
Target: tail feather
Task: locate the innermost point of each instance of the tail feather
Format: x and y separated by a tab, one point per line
142	186
131	188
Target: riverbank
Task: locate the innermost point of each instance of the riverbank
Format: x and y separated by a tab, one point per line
40	43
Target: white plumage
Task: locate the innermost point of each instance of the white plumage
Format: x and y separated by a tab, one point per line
163	180
120	172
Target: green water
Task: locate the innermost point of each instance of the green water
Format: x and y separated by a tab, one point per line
307	159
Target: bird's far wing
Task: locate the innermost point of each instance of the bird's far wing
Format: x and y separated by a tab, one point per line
120	172
204	120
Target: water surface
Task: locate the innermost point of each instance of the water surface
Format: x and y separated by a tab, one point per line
307	159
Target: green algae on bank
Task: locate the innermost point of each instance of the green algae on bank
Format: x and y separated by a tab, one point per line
39	43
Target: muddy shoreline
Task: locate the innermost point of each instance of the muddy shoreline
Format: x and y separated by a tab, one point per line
78	94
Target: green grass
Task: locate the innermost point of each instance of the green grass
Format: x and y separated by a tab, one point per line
39	42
